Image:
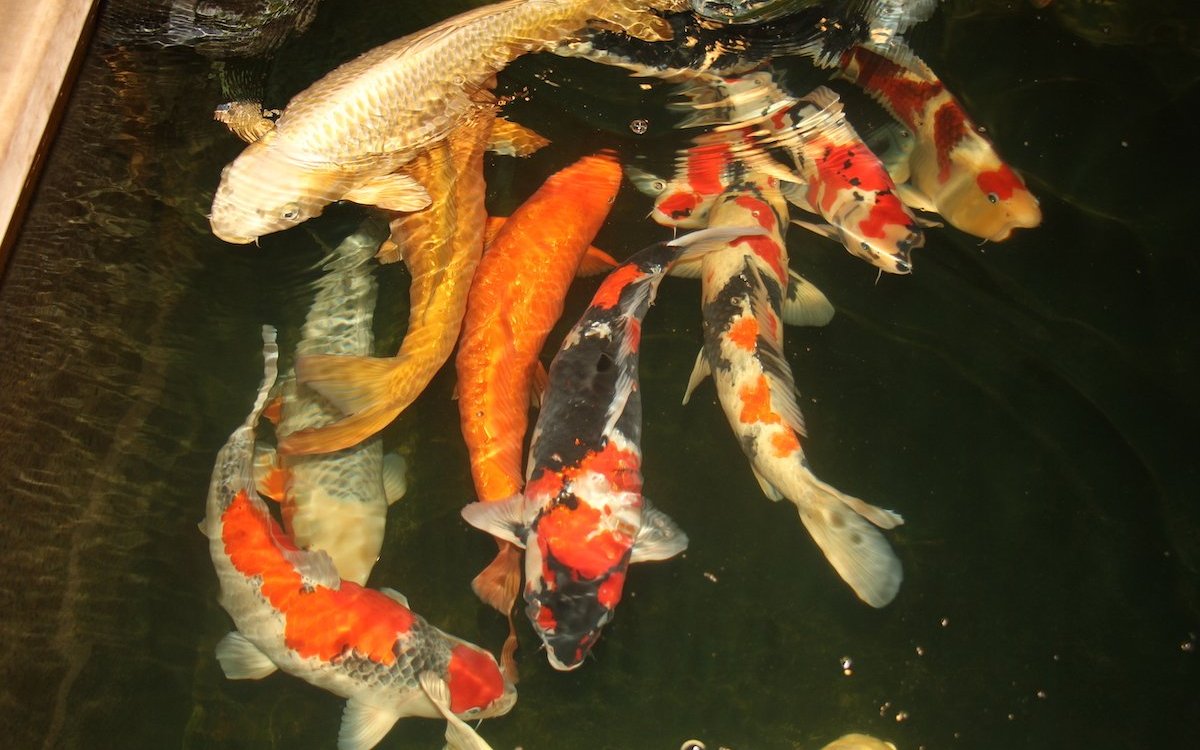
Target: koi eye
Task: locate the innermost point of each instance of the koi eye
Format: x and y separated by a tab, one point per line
692	745
290	212
993	198
658	186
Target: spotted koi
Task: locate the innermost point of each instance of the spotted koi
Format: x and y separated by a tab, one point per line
293	612
743	351
955	170
582	518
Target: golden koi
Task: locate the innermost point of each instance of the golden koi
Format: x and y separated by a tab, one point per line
442	247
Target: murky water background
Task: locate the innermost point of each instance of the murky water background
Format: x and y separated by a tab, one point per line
1029	407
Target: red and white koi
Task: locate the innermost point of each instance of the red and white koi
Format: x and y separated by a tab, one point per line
582	518
848	185
293	612
336	502
743	351
955	171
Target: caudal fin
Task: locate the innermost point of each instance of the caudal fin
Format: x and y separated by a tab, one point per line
360	387
855	548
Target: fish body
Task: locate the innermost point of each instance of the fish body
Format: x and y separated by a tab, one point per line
336	502
292	612
351	134
582	518
954	170
743	351
441	247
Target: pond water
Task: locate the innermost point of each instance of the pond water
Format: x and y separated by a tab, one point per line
1029	407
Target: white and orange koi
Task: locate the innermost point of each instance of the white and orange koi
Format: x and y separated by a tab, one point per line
335	502
582	518
293	612
351	135
955	171
743	351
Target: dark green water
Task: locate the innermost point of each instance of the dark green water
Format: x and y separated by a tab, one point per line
1029	407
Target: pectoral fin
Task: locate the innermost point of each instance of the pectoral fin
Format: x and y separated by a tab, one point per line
595	262
503	519
700	371
825	230
804	304
510	139
241	660
270	479
394	192
395	596
659	538
459	735
395	482
363	725
768	489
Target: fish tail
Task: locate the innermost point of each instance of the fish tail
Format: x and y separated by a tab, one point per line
844	527
362	387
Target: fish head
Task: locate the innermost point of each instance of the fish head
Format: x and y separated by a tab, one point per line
575	564
989	202
682	208
263	191
885	235
478	687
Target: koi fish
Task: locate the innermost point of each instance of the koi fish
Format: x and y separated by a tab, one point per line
884	18
336	502
838	177
352	134
516	298
851	189
955	171
582	518
293	612
743	351
442	247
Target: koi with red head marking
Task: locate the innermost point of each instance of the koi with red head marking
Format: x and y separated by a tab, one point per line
582	518
953	169
743	351
293	612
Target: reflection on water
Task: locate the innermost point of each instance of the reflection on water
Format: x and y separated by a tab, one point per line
1027	406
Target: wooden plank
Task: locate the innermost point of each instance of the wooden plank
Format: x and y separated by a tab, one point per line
37	45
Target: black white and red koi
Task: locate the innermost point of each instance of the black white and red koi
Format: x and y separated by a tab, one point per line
954	170
582	518
848	185
293	612
743	350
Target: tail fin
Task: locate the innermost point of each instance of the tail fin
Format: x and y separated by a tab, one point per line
860	554
360	387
